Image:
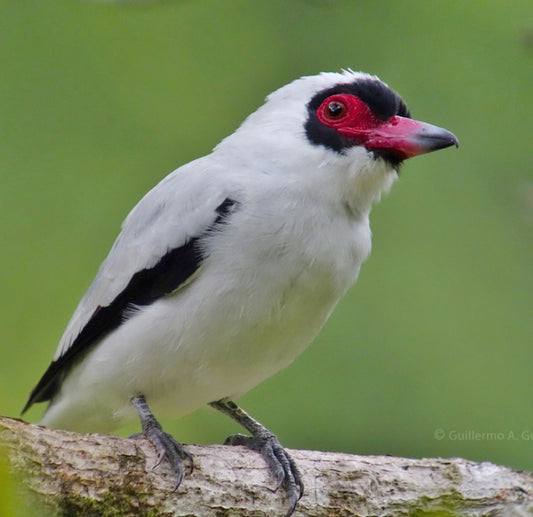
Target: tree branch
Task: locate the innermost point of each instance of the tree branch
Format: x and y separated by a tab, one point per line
67	473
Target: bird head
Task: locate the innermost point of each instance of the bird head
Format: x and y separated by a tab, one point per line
350	124
366	112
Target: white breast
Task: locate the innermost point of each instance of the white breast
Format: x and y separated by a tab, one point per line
267	288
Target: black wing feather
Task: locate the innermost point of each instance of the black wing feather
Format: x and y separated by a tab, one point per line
145	287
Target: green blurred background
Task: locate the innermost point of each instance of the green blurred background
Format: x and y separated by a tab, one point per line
99	101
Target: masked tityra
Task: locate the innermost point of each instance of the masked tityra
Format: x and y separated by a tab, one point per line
230	266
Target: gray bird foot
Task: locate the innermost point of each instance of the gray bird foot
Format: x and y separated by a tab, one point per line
281	465
166	446
265	442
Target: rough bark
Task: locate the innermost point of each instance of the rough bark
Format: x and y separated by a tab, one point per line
64	473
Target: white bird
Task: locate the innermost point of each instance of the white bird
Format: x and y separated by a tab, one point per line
227	269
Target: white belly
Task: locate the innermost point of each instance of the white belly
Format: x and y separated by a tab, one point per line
217	337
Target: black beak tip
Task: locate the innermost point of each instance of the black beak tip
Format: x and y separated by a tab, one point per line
455	141
444	139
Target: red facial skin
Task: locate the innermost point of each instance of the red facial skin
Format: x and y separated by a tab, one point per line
399	136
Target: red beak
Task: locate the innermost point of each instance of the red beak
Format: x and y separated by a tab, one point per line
403	137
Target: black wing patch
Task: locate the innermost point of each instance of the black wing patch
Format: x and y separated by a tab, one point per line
144	288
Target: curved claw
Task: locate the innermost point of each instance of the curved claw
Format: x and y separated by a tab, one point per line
165	445
262	440
281	465
291	480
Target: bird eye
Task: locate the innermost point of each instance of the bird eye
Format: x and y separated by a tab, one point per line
336	110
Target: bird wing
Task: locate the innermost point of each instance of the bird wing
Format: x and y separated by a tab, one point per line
156	252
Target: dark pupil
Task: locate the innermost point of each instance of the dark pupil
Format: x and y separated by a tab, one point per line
335	109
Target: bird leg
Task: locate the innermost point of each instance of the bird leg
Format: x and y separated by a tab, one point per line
165	445
265	442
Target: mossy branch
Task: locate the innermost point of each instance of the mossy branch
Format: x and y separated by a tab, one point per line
64	473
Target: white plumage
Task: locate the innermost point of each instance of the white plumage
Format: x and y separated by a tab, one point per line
271	280
279	217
